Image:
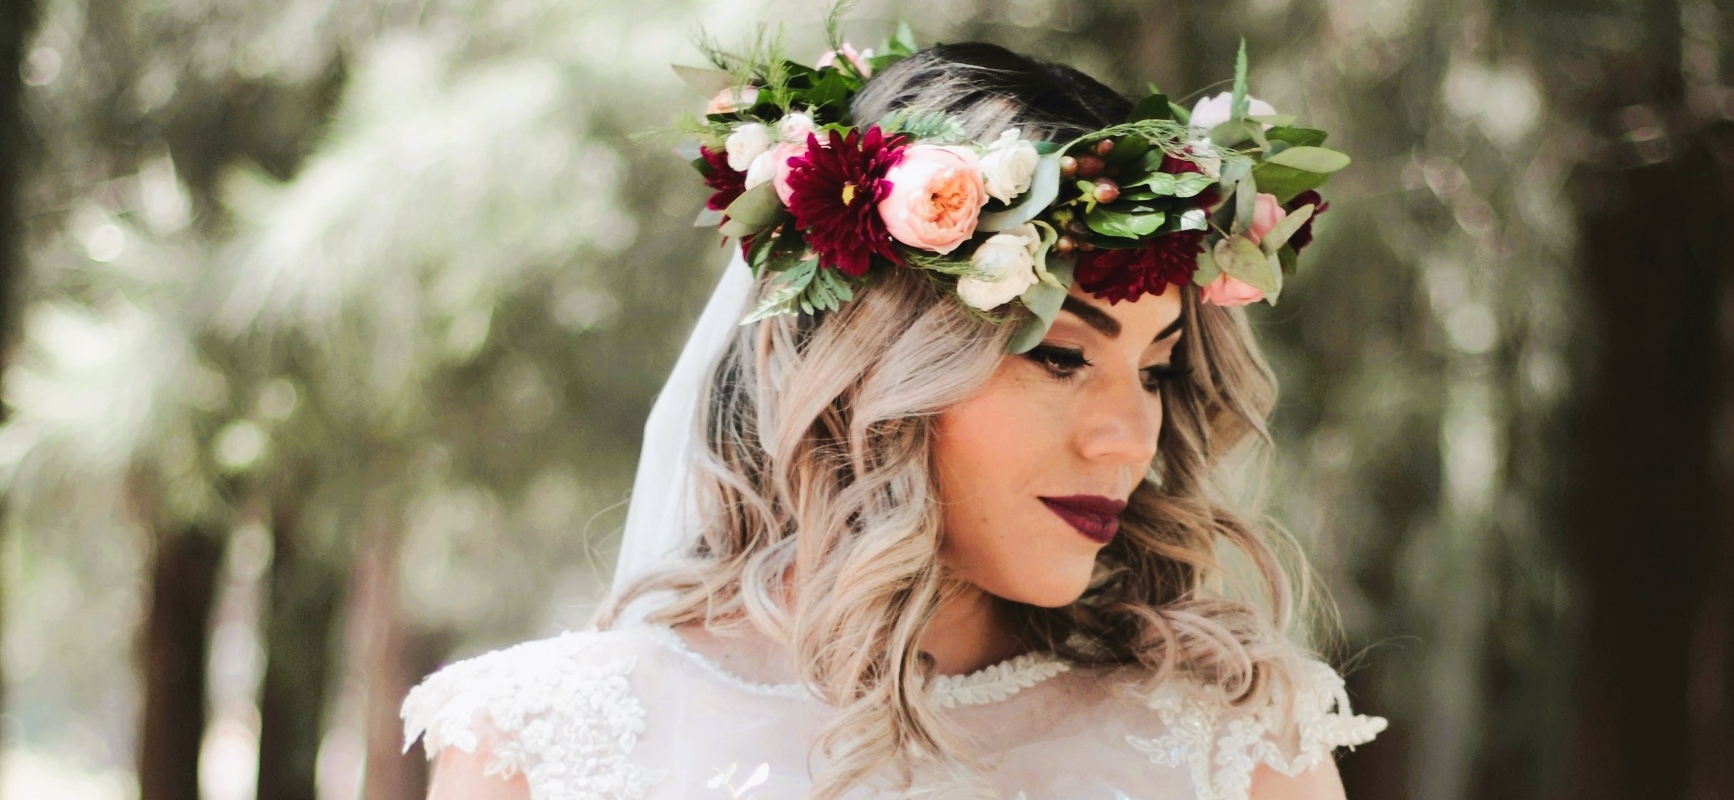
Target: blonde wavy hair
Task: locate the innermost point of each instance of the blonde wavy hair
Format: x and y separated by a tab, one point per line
821	519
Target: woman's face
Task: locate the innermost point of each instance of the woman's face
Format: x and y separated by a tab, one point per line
1034	470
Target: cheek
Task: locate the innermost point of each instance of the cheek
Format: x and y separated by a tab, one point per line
993	456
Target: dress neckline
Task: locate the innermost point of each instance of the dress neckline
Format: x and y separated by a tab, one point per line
989	684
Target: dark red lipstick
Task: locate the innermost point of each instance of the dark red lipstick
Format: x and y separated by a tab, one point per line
1096	517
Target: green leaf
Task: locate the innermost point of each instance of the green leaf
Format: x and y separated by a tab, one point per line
1237	102
1043	273
753	210
1195	219
1245	203
903	41
1044	187
1244	261
832	89
707	82
1182	114
1207	269
1286	258
708	218
1043	300
1299	137
1279	235
1169	184
1127	150
1274	120
1154	106
1286	182
1310	159
1235	132
1127	225
785	292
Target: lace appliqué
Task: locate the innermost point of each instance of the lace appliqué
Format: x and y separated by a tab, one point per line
998	682
1221	747
568	725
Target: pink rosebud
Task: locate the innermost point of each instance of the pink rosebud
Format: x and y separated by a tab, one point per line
781	155
859	60
936	197
1227	290
1266	213
730	100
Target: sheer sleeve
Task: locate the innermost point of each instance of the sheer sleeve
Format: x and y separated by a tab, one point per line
1221	745
560	712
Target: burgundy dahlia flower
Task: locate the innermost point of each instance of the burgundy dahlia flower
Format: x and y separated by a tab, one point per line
1129	274
1304	235
726	182
835	189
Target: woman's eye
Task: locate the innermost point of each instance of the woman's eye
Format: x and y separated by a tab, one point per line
1156	376
1062	362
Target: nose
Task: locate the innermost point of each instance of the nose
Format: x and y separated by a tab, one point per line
1120	424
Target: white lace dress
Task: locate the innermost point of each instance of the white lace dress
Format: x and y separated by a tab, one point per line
635	713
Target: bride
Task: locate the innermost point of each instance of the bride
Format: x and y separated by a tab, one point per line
952	531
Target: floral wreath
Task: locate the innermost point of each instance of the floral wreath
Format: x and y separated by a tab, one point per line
1222	195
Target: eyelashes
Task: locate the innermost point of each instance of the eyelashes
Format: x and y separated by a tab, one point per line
1064	363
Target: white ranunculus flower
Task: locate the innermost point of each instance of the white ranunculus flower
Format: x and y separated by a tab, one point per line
795	127
1213	111
763	168
1008	165
1007	266
747	143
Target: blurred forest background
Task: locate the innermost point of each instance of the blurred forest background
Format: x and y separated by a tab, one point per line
331	325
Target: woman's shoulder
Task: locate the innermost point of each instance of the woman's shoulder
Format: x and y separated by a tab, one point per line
1185	723
532	703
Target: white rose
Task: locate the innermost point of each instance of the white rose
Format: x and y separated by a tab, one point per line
747	143
1006	264
1008	165
795	127
763	168
1213	111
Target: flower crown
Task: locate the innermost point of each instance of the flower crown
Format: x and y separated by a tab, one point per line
1222	195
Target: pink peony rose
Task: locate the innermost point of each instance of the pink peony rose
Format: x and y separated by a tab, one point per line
1227	290
859	60
731	100
936	197
1266	213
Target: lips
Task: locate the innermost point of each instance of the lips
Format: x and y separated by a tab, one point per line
1094	516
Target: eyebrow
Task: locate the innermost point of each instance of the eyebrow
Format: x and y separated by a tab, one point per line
1110	327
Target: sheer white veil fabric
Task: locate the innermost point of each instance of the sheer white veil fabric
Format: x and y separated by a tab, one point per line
662	517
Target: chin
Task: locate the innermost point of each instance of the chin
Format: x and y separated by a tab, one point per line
1051	588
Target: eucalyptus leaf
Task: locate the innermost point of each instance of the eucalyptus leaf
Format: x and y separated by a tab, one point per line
1310	159
1127	225
1207	270
1244	261
708	218
1234	132
1043	300
688	151
1043	272
1286	259
1274	120
1044	187
755	208
1279	234
1245	203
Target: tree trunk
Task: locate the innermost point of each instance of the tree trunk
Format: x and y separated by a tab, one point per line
306	591
175	652
1649	509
